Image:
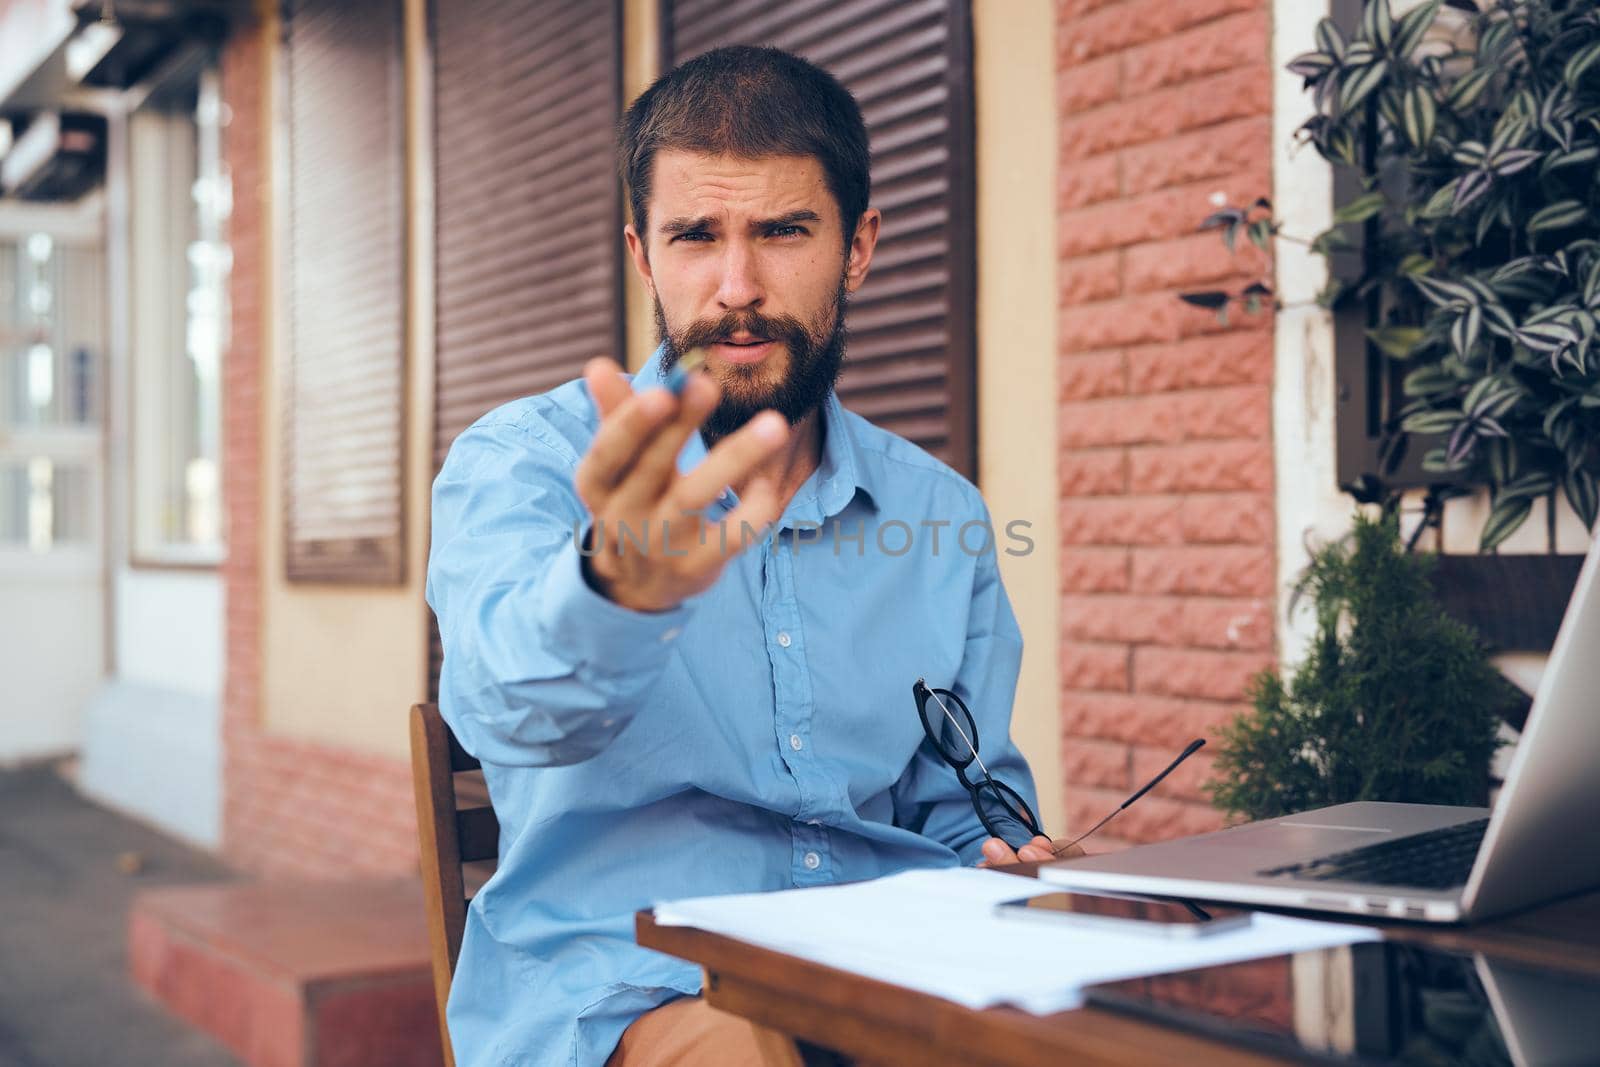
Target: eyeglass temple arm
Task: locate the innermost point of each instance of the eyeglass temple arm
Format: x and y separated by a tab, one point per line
1194	746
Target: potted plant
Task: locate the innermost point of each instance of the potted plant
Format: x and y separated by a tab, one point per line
1395	701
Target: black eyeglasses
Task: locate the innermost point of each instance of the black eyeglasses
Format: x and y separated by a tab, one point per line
1000	808
954	735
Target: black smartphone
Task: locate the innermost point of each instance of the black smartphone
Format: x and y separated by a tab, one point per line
1127	914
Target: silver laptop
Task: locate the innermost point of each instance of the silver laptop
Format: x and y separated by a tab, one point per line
1417	861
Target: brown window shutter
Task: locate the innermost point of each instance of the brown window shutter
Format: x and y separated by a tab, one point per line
528	282
911	361
345	378
529	220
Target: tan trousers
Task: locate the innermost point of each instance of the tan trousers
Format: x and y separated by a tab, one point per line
691	1033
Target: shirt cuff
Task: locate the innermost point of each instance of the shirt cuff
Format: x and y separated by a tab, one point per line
583	627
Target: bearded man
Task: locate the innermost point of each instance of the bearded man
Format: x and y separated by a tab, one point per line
665	707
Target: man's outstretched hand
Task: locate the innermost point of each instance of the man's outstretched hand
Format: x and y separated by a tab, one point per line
997	853
630	478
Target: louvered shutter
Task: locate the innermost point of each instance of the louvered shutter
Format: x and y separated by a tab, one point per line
910	366
345	394
528	207
529	218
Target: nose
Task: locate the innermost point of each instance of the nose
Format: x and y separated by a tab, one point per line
740	285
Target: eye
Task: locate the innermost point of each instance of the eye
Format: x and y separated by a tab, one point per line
693	235
790	230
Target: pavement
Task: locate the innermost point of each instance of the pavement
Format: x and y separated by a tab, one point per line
68	871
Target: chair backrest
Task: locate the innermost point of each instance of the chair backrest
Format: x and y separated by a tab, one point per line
455	826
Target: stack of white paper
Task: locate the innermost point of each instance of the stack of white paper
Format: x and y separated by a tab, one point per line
935	931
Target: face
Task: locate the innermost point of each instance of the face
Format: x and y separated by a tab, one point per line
747	259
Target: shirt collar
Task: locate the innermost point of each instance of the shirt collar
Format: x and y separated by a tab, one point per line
831	486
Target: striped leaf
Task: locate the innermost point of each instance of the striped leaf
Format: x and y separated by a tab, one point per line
1466	91
1513	160
1330	39
1537	483
1397	342
1579	488
1360	84
1419	113
1443	293
1430	422
1558	216
1465	330
1413	27
1377	23
1470	188
1546	336
1507	515
1360	209
1582	62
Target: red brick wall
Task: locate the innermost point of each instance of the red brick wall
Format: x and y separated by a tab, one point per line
1165	415
289	808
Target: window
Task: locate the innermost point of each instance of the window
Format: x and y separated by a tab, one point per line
179	201
51	326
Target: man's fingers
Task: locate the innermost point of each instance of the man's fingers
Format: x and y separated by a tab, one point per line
623	434
645	481
1039	850
734	457
997	852
607	387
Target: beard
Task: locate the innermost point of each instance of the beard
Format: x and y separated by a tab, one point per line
816	358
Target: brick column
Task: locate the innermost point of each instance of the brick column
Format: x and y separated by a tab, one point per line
290	808
1165	415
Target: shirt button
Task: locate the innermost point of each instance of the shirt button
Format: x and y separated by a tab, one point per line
669	633
795	742
813	861
784	639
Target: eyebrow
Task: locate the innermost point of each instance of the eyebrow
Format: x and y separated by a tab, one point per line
705	222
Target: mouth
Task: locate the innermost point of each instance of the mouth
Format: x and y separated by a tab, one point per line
743	349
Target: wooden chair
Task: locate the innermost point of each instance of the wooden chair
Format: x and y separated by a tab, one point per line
456	827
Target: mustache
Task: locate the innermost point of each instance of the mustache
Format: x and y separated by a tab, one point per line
779	328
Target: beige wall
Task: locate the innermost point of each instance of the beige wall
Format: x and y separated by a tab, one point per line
343	664
640	65
1014	68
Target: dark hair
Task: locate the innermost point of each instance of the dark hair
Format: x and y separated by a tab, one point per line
748	102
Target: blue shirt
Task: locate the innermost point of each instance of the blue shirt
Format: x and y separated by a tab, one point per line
760	736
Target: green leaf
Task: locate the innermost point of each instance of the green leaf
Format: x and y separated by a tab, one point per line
1377	23
1397	342
1464	331
1211	300
1581	63
1579	488
1444	293
1428	422
1466	91
1591	286
1537	483
1413	27
1360	83
1442	202
1330	39
1360	209
1505	517
1261	234
1419	112
1557	160
1428	381
1558	216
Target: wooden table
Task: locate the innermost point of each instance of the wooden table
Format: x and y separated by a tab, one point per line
877	1023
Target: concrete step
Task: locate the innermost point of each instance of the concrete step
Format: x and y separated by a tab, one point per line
327	974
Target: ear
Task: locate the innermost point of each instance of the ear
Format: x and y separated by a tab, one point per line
862	245
641	258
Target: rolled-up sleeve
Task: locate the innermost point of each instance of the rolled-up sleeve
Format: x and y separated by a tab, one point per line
539	669
929	798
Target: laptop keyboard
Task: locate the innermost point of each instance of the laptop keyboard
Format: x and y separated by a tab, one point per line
1438	859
